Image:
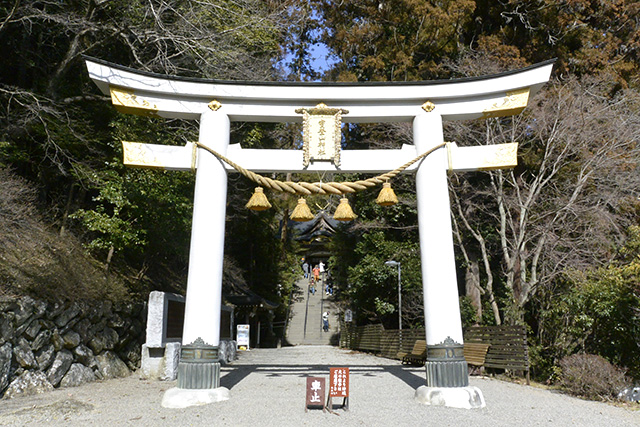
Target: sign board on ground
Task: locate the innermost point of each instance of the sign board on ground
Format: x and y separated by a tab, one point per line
242	337
339	382
315	393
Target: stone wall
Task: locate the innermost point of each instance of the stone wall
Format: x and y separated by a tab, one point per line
47	345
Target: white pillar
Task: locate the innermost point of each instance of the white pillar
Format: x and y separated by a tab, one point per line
204	283
447	378
199	366
441	306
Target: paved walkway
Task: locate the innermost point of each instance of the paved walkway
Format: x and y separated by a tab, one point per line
268	389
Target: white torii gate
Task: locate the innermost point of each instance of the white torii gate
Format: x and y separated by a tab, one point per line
216	103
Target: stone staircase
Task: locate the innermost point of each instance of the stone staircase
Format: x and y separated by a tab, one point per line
305	323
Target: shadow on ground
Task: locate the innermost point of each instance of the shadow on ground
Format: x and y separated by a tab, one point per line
236	374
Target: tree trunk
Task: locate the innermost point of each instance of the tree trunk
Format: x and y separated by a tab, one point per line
472	286
67	208
109	257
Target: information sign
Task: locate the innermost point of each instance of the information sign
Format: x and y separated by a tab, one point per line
338	387
242	337
339	382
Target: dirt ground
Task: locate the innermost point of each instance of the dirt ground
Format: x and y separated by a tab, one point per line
267	387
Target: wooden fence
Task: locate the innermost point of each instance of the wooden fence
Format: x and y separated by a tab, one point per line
376	339
508	344
508	350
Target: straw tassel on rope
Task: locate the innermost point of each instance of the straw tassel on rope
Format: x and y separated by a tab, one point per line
343	211
302	213
258	201
387	197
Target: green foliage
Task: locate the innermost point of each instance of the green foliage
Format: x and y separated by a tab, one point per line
414	40
113	231
382	307
373	286
597	312
587	37
58	132
141	216
467	312
487	315
630	252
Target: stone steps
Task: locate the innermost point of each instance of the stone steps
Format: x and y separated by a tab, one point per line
310	307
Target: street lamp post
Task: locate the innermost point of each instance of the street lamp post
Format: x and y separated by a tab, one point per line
397	264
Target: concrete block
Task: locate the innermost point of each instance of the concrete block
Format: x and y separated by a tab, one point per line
171	360
152	362
453	397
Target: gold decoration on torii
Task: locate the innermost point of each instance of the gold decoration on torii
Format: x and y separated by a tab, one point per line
512	104
321	133
126	101
428	106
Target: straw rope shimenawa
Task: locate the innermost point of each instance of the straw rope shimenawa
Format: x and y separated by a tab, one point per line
307	188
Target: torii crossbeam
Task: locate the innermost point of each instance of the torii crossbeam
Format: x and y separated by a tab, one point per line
425	104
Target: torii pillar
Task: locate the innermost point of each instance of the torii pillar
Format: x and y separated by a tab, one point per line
446	368
204	284
199	366
215	103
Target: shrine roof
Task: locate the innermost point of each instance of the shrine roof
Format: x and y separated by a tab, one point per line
321	225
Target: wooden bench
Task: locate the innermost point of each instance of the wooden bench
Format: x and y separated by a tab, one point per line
508	351
417	356
475	354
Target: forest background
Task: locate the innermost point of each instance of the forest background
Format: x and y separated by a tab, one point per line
553	244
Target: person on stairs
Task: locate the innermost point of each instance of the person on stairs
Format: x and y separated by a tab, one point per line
325	321
316	273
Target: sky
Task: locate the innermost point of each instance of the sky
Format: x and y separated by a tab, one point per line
320	61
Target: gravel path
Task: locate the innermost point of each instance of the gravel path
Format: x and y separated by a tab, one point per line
268	389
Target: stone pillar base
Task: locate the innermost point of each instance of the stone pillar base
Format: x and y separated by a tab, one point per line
176	398
446	365
199	367
452	373
195	376
453	397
